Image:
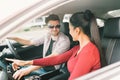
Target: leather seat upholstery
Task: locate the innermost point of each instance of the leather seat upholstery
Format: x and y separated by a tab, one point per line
111	40
65	29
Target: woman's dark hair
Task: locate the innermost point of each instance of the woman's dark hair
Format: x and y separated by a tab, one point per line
87	21
52	17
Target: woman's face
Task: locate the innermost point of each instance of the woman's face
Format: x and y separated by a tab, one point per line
73	32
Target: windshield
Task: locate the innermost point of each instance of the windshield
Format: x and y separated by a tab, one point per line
9	7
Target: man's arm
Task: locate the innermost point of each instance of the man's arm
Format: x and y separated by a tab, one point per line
24	71
32	68
21	41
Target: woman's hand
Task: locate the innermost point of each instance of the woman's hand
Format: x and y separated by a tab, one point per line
16	63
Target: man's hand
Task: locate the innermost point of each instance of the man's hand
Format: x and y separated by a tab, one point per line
20	73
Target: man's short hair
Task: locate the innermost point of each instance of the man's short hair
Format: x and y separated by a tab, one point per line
52	17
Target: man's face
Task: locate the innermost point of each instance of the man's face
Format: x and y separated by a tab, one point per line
54	26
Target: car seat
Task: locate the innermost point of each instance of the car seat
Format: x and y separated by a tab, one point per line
65	29
111	40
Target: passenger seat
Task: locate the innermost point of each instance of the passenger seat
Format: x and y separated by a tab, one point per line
101	31
65	30
111	40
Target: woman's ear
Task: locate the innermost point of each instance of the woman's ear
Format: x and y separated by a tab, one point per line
78	30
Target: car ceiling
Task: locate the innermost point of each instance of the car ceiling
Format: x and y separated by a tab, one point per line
99	7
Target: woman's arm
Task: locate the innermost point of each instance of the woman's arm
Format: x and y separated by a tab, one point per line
44	61
16	63
55	60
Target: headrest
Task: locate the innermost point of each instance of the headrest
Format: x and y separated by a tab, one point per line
112	28
65	28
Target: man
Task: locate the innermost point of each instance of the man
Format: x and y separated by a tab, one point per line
55	43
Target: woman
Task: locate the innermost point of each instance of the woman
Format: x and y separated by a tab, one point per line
82	58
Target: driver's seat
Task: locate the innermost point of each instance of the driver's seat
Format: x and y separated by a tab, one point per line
61	73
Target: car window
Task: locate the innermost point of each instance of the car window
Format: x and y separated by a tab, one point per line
66	17
34	28
100	22
114	13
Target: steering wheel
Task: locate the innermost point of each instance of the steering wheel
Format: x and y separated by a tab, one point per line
12	49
